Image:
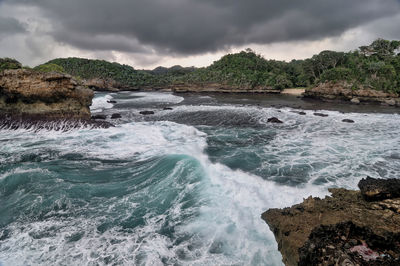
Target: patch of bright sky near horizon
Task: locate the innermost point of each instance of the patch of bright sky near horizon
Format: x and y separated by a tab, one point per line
36	45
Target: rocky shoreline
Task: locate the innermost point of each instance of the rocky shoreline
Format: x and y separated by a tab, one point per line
343	91
346	228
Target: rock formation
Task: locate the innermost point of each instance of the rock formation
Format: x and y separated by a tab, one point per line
343	91
341	229
99	84
28	93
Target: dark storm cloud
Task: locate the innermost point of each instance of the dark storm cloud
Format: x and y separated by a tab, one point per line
9	26
198	26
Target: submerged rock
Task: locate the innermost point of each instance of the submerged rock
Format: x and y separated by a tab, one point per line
146	113
274	120
348	121
115	116
320	114
112	101
167	108
34	95
337	229
102	117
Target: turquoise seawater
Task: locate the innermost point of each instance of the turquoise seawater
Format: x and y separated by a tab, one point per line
181	187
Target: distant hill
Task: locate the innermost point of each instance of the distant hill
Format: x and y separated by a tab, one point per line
174	70
88	69
376	66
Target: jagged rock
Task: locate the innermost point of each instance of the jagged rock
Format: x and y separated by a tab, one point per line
274	120
344	91
31	94
320	114
348	121
102	117
378	189
146	113
115	116
377	220
348	244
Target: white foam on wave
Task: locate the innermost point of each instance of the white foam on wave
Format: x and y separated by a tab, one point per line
156	97
229	229
101	102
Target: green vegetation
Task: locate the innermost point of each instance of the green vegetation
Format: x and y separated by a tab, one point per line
375	66
9	63
49	68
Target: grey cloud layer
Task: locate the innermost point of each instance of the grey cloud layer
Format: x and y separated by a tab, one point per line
9	26
198	26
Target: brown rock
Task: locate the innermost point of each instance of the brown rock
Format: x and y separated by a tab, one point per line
378	189
292	226
27	93
343	90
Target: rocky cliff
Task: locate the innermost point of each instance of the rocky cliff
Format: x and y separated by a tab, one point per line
346	228
343	91
31	94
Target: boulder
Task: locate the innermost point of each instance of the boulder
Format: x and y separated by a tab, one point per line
274	120
348	121
31	94
355	100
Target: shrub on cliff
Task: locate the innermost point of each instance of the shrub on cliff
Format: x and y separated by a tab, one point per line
9	63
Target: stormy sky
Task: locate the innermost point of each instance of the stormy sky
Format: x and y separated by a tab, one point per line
149	33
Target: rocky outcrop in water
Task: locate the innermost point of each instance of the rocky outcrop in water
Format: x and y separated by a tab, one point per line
341	229
343	91
37	100
48	95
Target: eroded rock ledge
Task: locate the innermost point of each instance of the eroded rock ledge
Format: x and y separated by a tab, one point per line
346	228
30	98
343	91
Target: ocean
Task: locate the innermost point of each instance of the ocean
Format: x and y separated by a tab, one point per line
185	186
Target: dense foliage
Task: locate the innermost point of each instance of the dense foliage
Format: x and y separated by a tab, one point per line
9	63
49	68
87	69
375	66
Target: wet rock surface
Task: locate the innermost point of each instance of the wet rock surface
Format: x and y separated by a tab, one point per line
341	229
379	189
146	113
274	120
321	114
